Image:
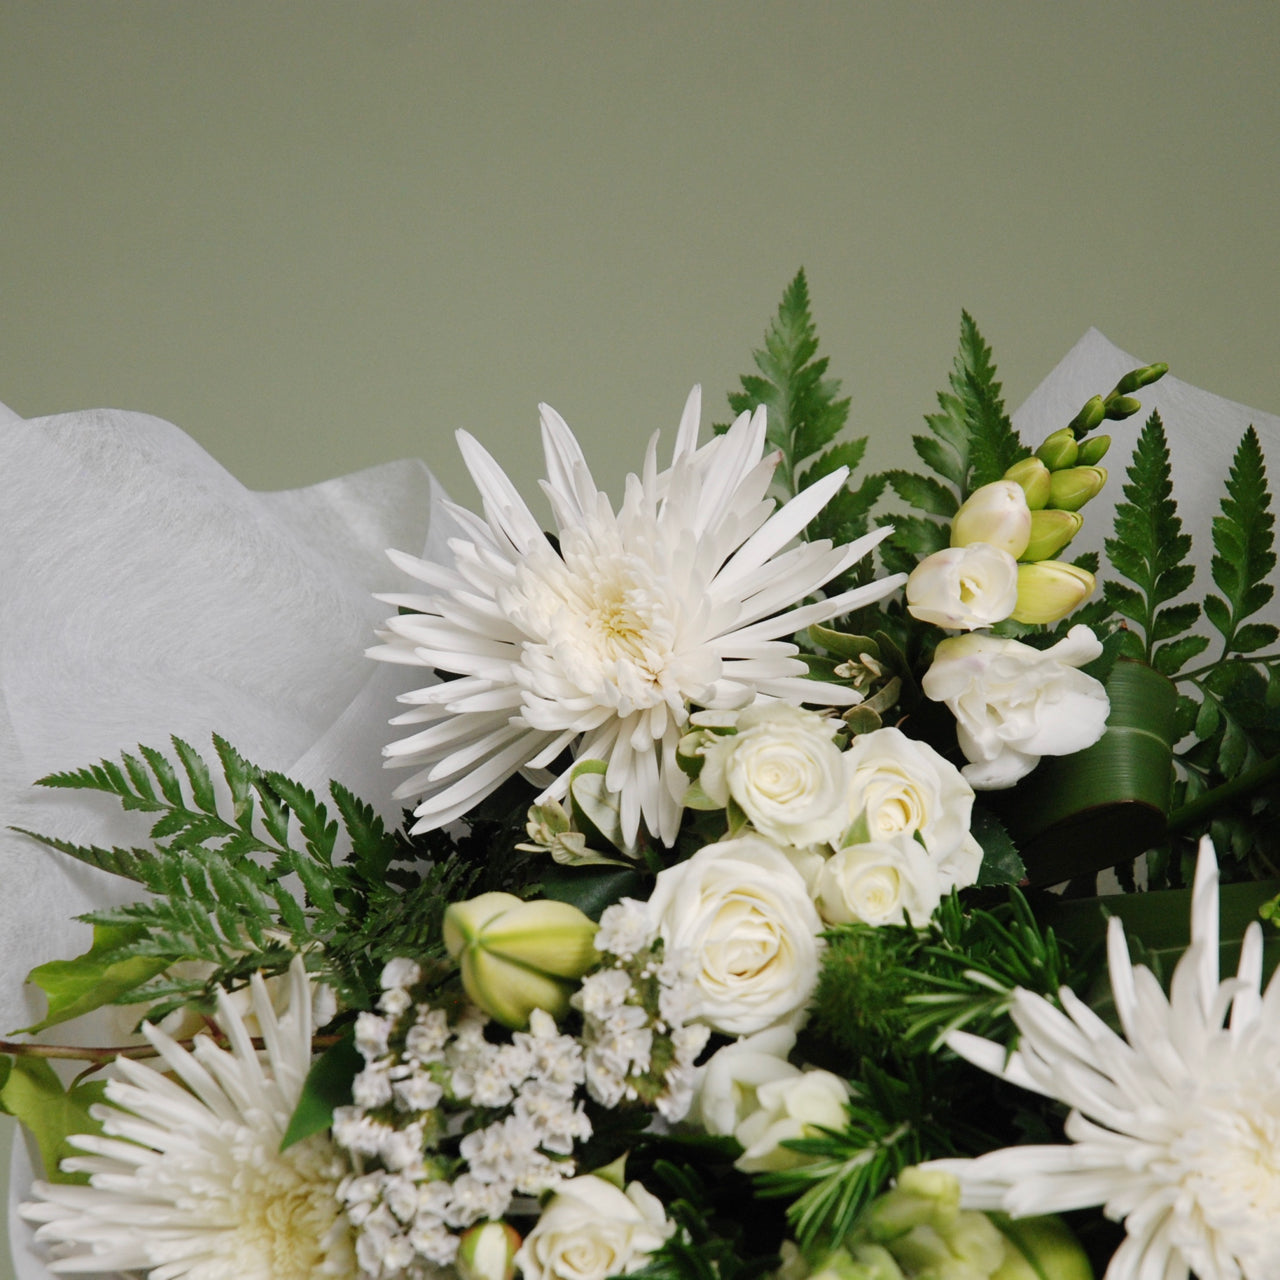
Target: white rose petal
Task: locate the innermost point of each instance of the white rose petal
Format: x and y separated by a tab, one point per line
899	786
793	1107
728	1084
591	1230
962	588
1014	704
882	882
743	910
783	768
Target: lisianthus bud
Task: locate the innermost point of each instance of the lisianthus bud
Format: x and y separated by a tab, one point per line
1036	1247
1032	477
1051	530
1049	590
1069	490
996	514
488	1252
518	956
1059	450
1093	450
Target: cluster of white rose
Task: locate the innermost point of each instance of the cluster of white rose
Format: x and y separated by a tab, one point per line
876	832
515	1105
638	1042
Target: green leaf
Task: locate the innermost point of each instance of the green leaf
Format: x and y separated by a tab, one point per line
198	775
804	412
1150	550
597	811
96	978
1243	541
1001	862
327	1086
34	1095
975	440
591	889
924	493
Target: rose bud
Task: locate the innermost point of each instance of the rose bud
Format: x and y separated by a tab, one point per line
488	1252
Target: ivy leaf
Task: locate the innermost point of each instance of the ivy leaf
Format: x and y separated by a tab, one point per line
1244	556
1150	550
33	1094
94	979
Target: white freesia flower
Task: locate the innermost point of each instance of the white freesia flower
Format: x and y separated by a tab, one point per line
996	514
600	641
962	588
795	1106
1014	704
1174	1128
743	910
187	1181
899	786
784	770
591	1229
880	882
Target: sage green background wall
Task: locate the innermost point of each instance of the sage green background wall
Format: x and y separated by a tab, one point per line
322	235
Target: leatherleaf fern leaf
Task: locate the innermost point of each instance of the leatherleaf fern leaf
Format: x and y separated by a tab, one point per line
972	443
1150	551
228	857
1244	555
805	415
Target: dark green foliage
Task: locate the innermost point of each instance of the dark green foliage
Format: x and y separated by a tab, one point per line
1150	550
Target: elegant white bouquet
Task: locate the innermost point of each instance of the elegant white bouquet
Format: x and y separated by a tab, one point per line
719	942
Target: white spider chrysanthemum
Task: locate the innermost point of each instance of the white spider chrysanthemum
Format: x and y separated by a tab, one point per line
189	1183
601	640
1175	1128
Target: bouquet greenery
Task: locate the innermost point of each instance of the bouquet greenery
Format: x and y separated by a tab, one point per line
746	921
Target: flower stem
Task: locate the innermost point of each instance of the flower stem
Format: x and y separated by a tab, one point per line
107	1053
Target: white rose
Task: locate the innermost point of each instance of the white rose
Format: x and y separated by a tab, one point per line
783	768
882	882
1014	704
743	910
898	786
727	1085
962	588
590	1229
794	1107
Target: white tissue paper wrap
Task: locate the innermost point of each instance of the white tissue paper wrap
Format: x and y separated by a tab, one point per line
145	591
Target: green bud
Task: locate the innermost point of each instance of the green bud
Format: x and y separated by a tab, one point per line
1139	378
1090	416
1032	477
1059	450
1121	407
1049	590
1050	532
1037	1247
488	1252
1069	490
921	1197
1092	451
519	956
996	514
873	1262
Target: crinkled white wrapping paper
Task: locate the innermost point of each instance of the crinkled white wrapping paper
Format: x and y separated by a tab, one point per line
144	592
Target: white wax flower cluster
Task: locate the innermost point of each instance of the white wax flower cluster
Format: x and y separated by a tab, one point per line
424	1079
878	831
637	1039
